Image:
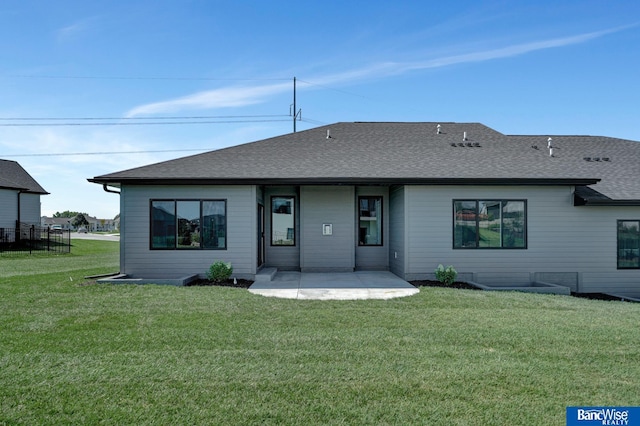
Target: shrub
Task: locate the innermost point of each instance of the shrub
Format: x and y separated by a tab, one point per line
446	275
219	271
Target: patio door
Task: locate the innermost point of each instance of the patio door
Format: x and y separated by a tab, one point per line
372	251
261	241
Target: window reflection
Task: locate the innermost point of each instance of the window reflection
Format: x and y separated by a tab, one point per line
370	221
489	224
629	244
283	221
188	224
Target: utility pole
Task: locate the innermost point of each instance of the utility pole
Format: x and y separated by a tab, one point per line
296	113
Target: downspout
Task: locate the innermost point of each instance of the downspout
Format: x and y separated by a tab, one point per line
18	234
106	189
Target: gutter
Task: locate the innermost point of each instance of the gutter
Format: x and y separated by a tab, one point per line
617	203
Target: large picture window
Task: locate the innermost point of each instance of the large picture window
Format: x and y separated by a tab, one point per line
370	221
283	221
629	244
489	224
188	224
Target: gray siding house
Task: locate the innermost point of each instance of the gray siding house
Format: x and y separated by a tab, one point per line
19	198
403	197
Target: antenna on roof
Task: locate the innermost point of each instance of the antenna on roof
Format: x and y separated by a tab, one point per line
438	129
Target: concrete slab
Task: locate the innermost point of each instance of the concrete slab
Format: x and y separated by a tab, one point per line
165	280
334	286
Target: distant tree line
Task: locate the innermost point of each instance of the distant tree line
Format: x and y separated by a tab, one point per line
79	219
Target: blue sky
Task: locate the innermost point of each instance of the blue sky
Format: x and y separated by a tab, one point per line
520	67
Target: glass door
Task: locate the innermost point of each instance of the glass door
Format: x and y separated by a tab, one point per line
260	235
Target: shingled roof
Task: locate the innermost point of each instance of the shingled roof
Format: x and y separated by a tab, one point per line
409	153
13	176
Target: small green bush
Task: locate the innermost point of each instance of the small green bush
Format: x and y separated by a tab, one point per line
219	271
446	275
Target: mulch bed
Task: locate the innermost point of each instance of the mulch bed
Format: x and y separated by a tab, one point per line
247	283
598	296
227	283
430	283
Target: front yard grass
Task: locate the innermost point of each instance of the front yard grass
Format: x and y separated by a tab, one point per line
73	352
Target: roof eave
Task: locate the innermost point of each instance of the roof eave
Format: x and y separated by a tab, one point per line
23	190
117	182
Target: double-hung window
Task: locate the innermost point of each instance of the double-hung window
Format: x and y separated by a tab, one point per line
479	224
629	244
188	224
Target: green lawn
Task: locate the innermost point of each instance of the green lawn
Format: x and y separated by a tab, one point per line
72	352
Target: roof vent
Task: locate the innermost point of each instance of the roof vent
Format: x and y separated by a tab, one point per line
476	144
438	129
534	146
460	143
453	144
587	158
605	158
469	144
596	158
328	134
549	143
464	136
550	151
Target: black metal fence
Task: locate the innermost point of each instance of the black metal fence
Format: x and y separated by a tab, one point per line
31	238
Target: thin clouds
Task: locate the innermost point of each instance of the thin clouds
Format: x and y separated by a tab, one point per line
219	98
243	96
505	52
71	31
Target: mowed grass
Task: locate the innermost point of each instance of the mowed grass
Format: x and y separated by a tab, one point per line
73	352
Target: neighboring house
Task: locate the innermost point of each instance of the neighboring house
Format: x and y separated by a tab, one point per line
64	222
102	225
403	197
19	198
95	225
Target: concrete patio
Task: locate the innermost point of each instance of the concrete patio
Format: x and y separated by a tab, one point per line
331	285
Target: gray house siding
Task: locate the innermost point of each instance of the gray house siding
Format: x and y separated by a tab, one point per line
30	208
374	257
563	240
397	240
334	205
282	257
8	208
138	260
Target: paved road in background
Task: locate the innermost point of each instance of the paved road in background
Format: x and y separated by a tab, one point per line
90	236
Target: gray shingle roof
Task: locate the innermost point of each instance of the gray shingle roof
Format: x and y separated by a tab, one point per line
13	176
408	153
